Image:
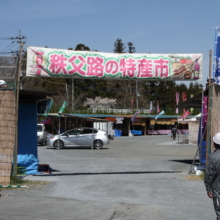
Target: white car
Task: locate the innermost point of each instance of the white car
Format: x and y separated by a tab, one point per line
41	134
80	137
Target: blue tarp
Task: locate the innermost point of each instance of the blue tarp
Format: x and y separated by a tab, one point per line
202	154
118	133
27	137
136	132
202	144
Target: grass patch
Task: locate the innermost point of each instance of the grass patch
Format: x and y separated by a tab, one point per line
29	183
196	177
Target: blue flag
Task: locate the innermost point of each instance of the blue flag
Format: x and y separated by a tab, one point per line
134	116
217	56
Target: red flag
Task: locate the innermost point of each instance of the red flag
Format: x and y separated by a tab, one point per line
184	99
186	113
184	96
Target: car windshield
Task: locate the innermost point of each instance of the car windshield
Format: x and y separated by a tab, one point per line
39	128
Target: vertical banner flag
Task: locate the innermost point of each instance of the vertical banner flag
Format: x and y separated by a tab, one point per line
184	99
158	108
63	107
184	96
161	113
134	116
49	105
151	107
177	101
204	115
217	56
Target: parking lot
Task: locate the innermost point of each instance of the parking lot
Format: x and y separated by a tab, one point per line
139	177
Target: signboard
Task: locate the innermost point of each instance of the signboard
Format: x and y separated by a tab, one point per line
48	62
110	119
119	120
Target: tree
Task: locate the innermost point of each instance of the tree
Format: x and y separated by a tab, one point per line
99	102
130	48
119	46
124	90
82	47
161	91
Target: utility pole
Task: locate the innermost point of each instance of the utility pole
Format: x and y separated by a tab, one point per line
19	40
72	94
137	94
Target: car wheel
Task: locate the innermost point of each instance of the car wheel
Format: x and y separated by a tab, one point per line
58	144
113	137
98	144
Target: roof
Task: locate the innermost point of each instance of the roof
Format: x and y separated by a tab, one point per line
30	96
195	102
95	116
75	116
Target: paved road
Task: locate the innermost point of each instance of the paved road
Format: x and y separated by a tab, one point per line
133	178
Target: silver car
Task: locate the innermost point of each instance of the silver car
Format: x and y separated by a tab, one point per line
78	137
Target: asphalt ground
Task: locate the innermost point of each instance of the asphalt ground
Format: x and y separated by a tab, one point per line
132	178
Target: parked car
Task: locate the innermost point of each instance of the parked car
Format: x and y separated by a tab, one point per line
49	135
106	126
79	137
41	134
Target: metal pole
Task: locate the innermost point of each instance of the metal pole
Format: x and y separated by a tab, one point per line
59	133
72	94
177	128
136	94
67	98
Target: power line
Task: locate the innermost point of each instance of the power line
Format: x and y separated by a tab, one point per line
7	47
5	38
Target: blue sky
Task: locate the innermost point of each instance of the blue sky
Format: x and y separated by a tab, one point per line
156	26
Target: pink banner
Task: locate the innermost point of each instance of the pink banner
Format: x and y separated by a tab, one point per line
177	101
177	98
204	115
158	107
151	107
49	62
